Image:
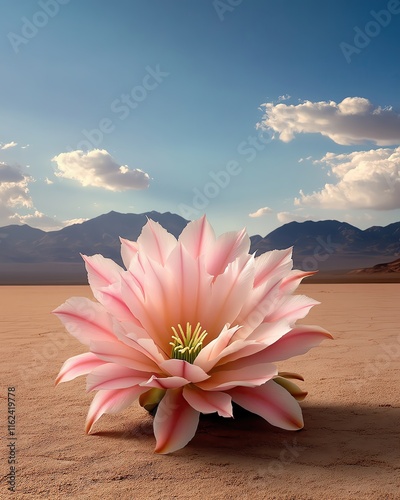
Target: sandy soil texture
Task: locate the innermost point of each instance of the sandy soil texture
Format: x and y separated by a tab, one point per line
349	448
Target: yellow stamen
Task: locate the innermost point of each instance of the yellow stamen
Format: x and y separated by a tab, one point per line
187	345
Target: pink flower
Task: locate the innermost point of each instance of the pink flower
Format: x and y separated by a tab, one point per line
192	325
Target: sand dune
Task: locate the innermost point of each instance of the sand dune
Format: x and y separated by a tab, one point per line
349	447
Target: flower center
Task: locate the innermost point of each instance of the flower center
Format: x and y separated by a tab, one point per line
187	345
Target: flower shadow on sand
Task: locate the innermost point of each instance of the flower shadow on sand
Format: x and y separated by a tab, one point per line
334	435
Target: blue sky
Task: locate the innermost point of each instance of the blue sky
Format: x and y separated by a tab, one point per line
285	110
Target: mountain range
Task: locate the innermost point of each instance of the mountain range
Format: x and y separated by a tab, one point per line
24	244
330	244
323	245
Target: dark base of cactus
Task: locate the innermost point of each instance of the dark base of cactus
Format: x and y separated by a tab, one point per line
238	411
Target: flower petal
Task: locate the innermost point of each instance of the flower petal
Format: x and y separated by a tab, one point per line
227	294
293	279
145	346
112	376
78	365
112	401
272	402
227	248
181	368
136	274
160	296
209	354
132	289
292	308
257	305
101	271
234	351
268	333
197	237
85	320
122	354
165	382
239	349
298	341
276	263
193	287
156	242
175	422
268	295
250	376
208	402
128	251
112	298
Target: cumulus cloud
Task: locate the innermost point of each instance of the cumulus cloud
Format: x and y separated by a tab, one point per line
261	211
285	217
14	187
16	204
15	198
14	192
9	145
98	168
48	181
365	180
355	120
10	174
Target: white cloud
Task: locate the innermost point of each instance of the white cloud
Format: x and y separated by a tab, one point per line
37	219
285	217
9	145
15	197
70	222
42	221
261	211
48	181
284	97
16	204
308	158
98	168
365	180
14	187
353	121
14	192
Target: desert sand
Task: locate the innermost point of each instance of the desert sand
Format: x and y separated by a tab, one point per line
349	447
